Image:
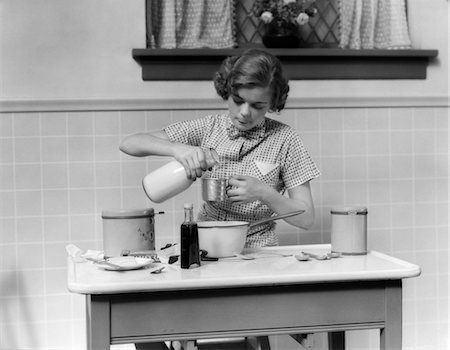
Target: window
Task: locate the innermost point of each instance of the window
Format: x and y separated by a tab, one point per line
322	60
322	30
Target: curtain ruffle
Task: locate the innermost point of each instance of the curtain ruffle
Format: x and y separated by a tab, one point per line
193	23
373	24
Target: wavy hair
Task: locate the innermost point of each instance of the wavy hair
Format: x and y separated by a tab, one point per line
254	68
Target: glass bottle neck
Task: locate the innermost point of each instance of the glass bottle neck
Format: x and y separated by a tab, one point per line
188	215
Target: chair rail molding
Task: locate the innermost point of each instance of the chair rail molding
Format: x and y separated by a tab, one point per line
93	105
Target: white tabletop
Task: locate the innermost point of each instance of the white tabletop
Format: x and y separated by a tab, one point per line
265	269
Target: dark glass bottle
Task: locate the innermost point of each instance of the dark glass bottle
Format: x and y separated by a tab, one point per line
190	255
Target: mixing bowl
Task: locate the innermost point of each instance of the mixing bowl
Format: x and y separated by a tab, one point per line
226	238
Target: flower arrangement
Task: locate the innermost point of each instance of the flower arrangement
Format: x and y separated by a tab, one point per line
284	14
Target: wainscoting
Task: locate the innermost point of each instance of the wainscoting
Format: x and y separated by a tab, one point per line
59	169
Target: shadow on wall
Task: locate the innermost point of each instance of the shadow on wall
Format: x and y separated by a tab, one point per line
23	329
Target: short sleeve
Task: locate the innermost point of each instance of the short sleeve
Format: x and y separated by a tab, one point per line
190	132
299	167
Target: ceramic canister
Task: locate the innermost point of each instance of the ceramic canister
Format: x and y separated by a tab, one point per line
349	230
128	229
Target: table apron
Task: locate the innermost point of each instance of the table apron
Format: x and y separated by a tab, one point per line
281	309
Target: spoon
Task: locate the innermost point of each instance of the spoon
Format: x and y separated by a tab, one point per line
156	270
104	262
243	257
326	256
284	255
273	218
315	256
302	257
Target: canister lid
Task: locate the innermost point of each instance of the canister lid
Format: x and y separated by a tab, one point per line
342	210
127	213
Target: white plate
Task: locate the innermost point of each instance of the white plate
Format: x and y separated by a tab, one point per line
125	263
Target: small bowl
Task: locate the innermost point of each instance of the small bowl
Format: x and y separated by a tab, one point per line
214	190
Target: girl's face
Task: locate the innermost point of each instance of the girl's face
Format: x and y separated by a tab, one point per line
248	106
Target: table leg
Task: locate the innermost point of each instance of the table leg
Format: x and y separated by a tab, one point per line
336	340
184	345
258	343
98	323
391	334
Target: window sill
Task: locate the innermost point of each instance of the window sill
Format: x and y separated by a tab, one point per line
300	64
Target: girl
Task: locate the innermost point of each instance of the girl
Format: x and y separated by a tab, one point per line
262	158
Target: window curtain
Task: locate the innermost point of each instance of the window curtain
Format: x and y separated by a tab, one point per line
192	24
373	24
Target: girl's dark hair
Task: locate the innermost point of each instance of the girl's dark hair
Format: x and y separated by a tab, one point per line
254	68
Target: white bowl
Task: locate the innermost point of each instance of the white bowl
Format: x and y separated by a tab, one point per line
222	238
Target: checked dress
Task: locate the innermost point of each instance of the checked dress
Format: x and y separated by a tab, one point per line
272	152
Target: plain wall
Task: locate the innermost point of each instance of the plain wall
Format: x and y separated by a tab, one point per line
62	49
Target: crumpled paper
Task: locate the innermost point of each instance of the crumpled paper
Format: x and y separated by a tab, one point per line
79	255
165	254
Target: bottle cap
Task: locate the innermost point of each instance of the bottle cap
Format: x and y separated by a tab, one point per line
188	206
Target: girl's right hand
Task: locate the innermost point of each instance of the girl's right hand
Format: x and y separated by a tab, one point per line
196	160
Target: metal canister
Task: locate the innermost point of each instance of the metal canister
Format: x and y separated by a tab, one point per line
214	190
349	230
128	229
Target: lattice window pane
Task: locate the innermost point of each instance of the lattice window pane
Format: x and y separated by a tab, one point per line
247	25
321	31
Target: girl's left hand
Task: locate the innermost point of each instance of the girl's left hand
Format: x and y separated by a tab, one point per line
245	189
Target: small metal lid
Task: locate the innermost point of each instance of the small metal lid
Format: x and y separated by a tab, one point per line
127	213
349	210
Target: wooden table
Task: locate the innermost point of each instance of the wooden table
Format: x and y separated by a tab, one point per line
234	298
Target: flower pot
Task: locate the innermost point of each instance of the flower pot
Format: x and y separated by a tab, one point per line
278	35
280	40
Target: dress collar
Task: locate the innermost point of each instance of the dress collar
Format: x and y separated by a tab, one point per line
257	132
